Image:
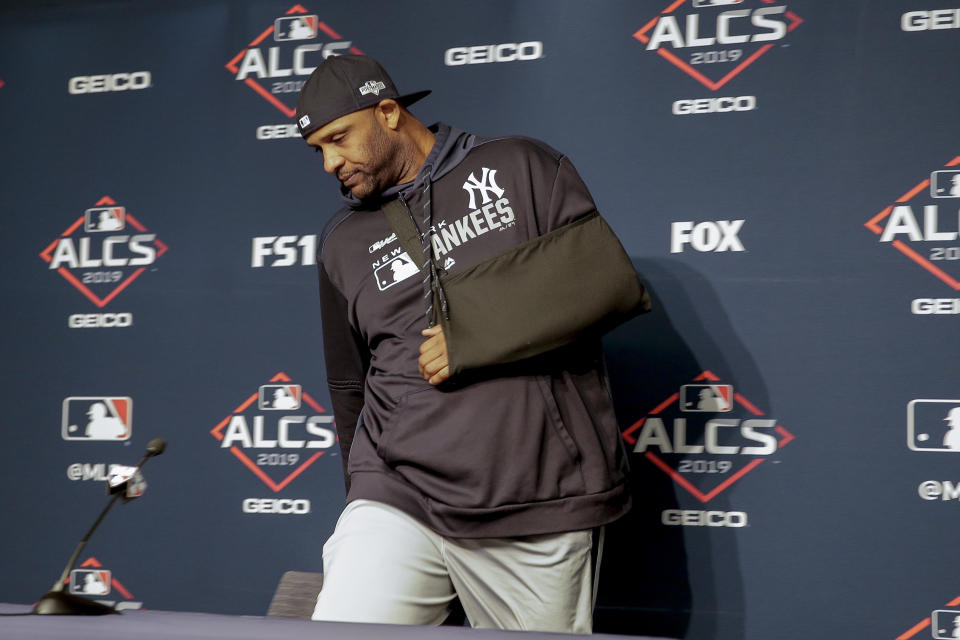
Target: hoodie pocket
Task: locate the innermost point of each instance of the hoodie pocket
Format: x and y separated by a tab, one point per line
492	443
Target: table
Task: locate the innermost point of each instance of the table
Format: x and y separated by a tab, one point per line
16	624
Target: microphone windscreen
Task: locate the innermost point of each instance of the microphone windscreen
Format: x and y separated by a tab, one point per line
156	446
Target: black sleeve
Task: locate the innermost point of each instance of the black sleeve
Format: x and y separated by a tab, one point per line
347	359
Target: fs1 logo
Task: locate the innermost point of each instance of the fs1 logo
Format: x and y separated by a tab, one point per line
101	253
95	582
706	455
933	425
924	225
107	418
712	41
276	69
284	251
277	447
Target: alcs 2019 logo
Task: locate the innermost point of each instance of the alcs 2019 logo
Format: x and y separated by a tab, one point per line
277	72
103	251
707	436
715	40
273	433
922	224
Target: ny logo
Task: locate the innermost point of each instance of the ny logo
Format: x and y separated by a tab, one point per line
483	185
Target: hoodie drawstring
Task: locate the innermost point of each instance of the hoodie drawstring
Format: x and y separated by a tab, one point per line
428	267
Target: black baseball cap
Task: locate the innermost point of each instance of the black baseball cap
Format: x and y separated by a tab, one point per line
344	84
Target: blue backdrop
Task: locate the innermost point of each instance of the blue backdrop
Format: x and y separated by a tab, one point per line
786	177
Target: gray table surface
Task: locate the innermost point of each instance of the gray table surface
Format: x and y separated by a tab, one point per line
164	625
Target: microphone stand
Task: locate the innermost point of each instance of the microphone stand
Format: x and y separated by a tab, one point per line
57	601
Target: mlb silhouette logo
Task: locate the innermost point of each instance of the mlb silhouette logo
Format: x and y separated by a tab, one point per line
945	184
279	397
295	28
89	582
711	398
397	270
933	425
945	624
107	418
104	219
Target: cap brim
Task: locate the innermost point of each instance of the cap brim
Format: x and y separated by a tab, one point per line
410	98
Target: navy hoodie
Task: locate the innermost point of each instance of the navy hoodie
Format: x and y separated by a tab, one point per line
527	448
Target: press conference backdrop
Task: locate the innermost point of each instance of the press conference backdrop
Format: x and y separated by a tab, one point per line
785	176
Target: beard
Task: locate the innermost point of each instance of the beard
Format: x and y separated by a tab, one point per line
378	172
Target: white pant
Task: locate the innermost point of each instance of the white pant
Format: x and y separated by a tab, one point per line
381	565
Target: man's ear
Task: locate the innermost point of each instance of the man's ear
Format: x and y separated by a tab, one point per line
388	113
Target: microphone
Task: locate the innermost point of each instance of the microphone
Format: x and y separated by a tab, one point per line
155	447
129	479
127	482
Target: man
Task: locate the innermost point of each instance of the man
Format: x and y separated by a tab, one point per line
481	459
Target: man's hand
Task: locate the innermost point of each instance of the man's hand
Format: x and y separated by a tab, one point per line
433	363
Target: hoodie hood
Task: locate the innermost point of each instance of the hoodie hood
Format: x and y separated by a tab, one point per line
450	147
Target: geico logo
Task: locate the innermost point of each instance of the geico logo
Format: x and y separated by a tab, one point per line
93	320
238	432
721	235
935	306
654	434
933	489
298	507
903	220
714	105
77	253
930	20
275	131
254	64
692	518
115	82
482	54
285	250
98	472
728	24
